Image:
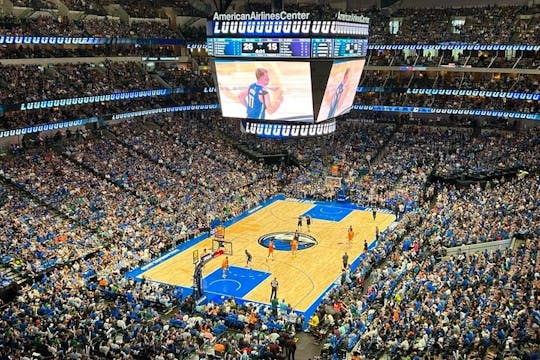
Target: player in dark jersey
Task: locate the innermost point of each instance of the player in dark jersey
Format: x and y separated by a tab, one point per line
337	99
248	258
257	98
256	106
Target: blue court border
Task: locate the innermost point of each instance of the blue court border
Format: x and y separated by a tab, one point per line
217	297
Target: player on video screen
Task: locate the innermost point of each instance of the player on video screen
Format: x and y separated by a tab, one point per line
257	97
337	99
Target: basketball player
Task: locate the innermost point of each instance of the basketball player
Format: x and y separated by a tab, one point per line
270	250
299	224
257	98
225	266
248	259
294	243
337	100
308	222
350	234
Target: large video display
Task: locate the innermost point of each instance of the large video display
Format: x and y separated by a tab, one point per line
340	88
265	90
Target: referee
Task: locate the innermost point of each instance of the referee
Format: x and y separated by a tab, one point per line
274	284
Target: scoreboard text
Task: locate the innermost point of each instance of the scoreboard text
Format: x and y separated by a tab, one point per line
286	35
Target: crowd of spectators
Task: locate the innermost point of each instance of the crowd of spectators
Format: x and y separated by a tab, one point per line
316	156
194	35
174	181
62	81
108	77
93	26
199	178
145	9
420	303
490	152
445	58
400	176
60	51
433	287
43	239
147	227
180	77
486	25
104	26
34	4
41	25
358	144
399	81
141	9
89	7
472	214
527	30
139	191
429	26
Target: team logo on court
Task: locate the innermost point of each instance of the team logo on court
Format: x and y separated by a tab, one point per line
282	240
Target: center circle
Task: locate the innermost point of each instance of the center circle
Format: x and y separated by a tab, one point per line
282	240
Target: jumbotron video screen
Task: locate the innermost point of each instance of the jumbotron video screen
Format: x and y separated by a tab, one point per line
265	90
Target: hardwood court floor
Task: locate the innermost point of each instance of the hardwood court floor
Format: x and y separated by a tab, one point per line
302	278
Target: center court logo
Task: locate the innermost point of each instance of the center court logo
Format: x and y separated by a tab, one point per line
282	240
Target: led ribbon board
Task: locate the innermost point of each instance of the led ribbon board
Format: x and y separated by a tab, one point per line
453	46
58	40
280	131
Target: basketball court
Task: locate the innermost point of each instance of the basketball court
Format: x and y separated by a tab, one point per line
303	278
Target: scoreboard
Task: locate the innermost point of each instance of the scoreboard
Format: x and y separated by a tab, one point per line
261	47
296	48
287	68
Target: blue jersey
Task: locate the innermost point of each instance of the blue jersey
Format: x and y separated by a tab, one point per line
335	101
255	107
